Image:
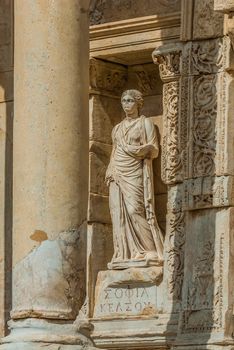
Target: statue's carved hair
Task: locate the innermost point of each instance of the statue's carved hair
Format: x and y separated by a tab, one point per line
137	95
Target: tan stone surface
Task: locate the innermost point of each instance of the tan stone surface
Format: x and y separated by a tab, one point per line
50	168
105	113
99	253
51	116
56	278
99	160
207	277
206	22
130	292
39	333
196	294
134	39
98	209
6	35
224	5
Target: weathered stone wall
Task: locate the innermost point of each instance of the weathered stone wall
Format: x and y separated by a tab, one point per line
198	167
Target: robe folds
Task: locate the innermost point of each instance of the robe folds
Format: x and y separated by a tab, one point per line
137	237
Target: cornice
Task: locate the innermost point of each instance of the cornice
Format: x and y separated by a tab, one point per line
136	25
137	34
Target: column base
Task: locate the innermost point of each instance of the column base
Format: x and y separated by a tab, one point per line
33	334
41	346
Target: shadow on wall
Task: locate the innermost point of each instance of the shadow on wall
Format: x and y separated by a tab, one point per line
6	156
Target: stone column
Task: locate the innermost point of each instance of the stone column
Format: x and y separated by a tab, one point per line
50	173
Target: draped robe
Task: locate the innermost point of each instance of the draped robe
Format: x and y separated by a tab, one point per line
136	235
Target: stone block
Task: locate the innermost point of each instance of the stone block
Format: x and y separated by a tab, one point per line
225	6
100	246
208	192
99	253
153	105
99	157
98	209
105	113
206	22
208	256
128	293
161	207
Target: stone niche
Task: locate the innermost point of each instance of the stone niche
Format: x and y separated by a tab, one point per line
125	305
134	294
108	80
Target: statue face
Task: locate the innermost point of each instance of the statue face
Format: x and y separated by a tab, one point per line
129	105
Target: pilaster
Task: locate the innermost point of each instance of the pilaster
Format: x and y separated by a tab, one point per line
204	191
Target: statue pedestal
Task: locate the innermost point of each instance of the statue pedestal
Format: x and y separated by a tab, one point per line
132	292
128	310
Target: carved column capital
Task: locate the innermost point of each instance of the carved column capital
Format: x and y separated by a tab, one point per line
168	57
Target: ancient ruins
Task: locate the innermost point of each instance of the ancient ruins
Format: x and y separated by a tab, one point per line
117	174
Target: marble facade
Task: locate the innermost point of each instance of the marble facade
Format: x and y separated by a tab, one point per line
56	240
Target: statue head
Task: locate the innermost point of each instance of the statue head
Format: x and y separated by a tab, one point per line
134	95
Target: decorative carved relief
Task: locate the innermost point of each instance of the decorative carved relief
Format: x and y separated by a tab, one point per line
207	56
207	192
171	156
183	124
96	11
199	70
147	80
174	250
169	62
204	299
107	77
204	138
221	149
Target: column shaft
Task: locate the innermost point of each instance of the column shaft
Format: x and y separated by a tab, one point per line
50	175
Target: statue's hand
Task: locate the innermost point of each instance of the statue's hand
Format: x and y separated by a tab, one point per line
147	151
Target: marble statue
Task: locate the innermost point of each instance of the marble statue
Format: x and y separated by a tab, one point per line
138	240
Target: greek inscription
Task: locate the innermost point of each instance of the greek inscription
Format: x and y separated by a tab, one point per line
119	308
118	293
107	293
127	300
128	306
